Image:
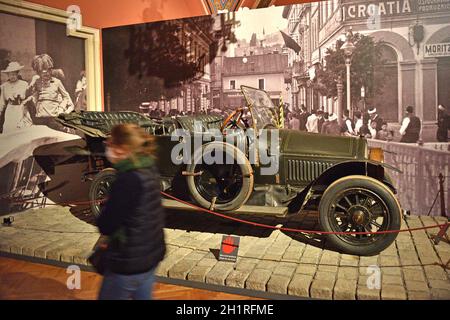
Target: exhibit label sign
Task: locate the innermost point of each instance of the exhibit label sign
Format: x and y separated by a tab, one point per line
229	248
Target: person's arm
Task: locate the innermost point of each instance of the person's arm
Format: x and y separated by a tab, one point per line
67	100
122	200
404	126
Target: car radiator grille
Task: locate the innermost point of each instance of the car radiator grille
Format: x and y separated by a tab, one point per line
303	170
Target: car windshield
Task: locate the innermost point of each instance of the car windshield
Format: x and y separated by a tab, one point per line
261	107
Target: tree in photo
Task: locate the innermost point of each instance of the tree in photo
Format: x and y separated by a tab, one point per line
366	69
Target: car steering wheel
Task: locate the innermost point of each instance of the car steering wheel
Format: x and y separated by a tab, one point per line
233	120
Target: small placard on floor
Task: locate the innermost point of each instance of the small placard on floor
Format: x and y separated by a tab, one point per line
229	248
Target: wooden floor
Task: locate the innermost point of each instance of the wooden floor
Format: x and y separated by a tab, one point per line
25	280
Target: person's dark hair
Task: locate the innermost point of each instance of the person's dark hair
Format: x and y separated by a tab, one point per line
346	112
326	115
357	114
409	109
135	138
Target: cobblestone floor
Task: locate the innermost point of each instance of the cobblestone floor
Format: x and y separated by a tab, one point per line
272	261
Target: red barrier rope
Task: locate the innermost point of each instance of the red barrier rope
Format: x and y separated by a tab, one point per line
262	225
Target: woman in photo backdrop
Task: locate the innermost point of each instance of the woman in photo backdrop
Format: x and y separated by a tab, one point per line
12	99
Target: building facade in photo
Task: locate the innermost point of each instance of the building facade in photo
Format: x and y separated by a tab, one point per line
263	71
415	36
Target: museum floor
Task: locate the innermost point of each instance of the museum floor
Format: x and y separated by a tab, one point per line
27	280
271	264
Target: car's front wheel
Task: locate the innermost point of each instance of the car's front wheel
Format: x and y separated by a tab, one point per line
359	204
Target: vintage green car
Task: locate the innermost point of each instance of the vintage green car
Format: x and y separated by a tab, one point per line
336	175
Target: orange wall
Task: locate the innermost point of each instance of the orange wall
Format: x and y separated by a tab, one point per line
111	13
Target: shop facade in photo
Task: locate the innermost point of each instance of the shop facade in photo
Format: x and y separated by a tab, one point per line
414	36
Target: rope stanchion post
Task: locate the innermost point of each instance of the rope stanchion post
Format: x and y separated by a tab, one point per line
443	229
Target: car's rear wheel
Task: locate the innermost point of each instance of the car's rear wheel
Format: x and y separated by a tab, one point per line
100	188
230	183
359	204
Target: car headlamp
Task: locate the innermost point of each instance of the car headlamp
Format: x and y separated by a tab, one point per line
376	154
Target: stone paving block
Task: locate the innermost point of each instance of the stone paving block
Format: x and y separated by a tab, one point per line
307	269
405	246
348	273
364	293
245	264
256	252
81	257
393	271
440	284
181	269
429	258
41	251
416	274
419	295
267	264
258	279
219	273
440	294
393	292
329	258
68	255
322	289
416	285
390	251
389	261
368	261
237	278
278	283
272	256
293	256
285	270
327	268
391	280
349	260
345	289
198	273
323	275
299	285
435	273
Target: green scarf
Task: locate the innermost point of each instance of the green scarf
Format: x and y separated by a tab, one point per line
137	162
118	239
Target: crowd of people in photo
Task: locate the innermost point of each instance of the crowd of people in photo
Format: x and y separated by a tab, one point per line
39	101
368	124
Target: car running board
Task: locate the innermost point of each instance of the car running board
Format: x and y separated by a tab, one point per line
246	209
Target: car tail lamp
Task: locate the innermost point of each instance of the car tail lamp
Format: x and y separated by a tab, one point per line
376	154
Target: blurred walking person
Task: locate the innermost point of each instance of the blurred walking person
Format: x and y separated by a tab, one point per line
132	217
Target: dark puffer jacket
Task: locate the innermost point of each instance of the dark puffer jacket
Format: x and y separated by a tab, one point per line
134	219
